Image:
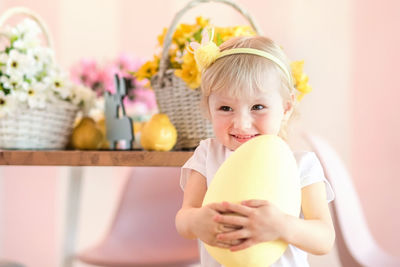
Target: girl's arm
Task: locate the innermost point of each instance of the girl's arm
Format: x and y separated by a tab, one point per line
261	221
193	220
193	196
316	233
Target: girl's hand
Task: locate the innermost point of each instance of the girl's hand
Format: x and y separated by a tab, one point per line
206	228
258	220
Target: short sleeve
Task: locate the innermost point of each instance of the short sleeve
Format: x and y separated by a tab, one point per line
196	162
310	171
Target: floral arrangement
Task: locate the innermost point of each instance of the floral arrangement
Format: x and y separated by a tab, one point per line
180	59
140	102
30	76
184	61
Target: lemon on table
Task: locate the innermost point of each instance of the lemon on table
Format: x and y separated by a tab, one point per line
158	133
86	135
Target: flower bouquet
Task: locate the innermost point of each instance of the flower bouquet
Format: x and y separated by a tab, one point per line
139	102
38	103
182	61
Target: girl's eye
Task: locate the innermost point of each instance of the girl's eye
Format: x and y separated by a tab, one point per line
258	107
225	108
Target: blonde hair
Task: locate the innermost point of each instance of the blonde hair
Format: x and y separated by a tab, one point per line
248	71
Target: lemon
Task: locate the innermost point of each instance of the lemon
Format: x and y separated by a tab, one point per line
158	133
86	135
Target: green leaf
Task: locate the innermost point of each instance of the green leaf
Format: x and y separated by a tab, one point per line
27	80
6	91
13	39
197	35
219	39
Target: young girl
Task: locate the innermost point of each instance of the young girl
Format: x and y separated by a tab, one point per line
248	90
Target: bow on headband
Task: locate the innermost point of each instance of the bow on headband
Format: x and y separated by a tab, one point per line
206	52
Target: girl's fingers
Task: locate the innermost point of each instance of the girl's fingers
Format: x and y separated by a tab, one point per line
228	244
228	228
230	220
246	244
235	235
219	207
237	208
254	203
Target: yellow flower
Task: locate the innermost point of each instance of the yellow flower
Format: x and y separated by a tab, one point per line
183	33
243	31
202	22
148	69
300	79
304	89
189	72
161	37
297	69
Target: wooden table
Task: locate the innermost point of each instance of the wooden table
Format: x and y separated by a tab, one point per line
93	158
75	159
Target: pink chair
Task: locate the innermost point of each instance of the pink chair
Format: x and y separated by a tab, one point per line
356	246
143	230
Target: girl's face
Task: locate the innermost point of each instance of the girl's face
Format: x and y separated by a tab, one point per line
236	120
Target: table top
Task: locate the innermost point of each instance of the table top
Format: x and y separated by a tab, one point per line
93	158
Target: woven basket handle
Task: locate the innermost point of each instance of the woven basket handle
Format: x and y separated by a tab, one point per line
28	13
178	16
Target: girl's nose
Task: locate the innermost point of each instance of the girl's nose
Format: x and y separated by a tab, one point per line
242	120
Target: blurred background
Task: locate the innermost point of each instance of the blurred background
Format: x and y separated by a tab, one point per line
350	50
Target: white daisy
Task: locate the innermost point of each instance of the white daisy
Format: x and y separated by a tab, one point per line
59	84
13	82
19	64
26	34
7	104
42	56
36	98
83	96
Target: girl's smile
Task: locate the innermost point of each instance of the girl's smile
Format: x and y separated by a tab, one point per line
243	138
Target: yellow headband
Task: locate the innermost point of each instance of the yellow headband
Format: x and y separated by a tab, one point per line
261	53
208	52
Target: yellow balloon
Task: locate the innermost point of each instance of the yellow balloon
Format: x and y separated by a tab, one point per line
262	168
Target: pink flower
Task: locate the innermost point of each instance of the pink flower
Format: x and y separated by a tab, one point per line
139	99
127	63
124	65
86	72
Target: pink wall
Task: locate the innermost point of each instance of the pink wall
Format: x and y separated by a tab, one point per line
29	219
376	109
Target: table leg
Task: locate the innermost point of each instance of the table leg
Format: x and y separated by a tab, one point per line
75	178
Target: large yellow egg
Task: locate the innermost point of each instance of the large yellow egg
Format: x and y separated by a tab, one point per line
262	168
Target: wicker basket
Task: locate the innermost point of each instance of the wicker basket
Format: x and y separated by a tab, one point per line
48	128
174	98
33	128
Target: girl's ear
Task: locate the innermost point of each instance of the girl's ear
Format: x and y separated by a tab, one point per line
288	107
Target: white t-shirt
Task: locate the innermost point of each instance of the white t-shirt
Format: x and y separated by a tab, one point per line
209	156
